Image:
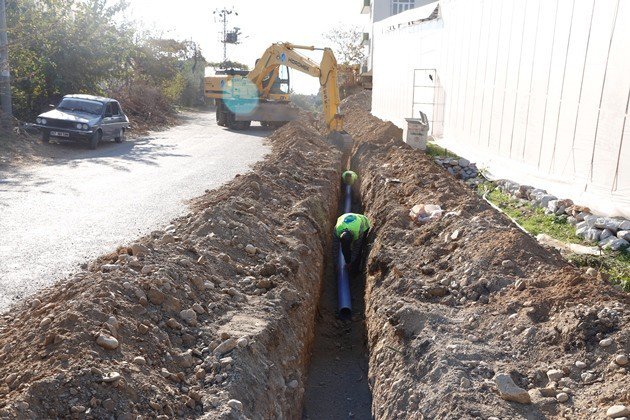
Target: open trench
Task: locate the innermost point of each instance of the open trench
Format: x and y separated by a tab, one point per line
232	312
337	384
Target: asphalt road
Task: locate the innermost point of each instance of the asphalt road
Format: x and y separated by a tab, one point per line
83	203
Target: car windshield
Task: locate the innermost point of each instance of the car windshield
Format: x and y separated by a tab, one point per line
81	105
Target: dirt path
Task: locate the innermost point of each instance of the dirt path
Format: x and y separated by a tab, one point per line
82	203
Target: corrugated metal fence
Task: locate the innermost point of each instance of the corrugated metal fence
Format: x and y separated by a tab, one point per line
537	90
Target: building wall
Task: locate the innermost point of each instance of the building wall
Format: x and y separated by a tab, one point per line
536	91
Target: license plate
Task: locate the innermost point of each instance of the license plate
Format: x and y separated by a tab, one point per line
59	134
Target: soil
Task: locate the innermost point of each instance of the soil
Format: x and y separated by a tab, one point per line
215	316
453	302
244	266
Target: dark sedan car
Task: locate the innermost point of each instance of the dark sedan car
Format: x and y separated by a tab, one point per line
84	117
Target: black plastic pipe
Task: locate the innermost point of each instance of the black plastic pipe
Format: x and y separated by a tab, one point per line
343	277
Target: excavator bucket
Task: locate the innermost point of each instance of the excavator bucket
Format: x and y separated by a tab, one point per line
341	140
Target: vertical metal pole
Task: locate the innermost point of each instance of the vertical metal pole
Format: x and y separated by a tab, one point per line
5	75
224	35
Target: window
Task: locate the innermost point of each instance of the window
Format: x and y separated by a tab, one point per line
399	6
115	109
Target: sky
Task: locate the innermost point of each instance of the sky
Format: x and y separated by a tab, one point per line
262	23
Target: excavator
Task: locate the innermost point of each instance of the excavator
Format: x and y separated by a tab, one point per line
262	94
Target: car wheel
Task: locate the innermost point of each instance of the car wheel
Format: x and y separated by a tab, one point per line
45	137
96	138
121	136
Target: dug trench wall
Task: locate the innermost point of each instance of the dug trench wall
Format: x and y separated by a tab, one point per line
454	303
212	317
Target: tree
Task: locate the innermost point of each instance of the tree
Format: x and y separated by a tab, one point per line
347	44
86	46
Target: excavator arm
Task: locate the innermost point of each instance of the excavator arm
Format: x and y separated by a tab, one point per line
285	54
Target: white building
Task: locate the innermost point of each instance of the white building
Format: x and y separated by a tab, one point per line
536	91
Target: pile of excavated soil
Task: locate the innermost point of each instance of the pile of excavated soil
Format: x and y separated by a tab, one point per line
212	317
361	100
454	303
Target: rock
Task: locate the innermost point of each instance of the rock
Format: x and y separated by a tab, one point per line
617	411
189	316
139	250
198	308
520	285
172	323
605	234
591	272
509	391
139	360
109	404
580	365
108	268
555	375
463	162
508	264
236	405
226	346
111	377
268	269
168	239
184	359
77	409
107	341
264	284
45	321
10	378
592	235
293	384
607	223
562	397
614	243
251	250
548	392
156	296
606	342
624	234
242	342
465	383
545	199
621	359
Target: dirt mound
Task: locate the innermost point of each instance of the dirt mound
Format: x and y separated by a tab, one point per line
213	316
361	100
453	303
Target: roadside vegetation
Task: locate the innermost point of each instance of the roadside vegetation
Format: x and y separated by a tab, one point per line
88	46
535	221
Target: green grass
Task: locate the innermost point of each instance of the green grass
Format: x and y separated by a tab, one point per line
535	221
435	150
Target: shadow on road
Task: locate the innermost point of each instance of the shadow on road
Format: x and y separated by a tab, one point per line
255	131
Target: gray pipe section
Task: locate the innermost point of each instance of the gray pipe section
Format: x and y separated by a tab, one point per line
343	277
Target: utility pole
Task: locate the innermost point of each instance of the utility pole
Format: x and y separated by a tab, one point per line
5	75
226	37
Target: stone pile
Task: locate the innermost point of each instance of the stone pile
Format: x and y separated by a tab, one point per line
461	168
609	232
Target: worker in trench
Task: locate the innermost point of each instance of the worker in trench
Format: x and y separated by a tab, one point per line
349	177
351	233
